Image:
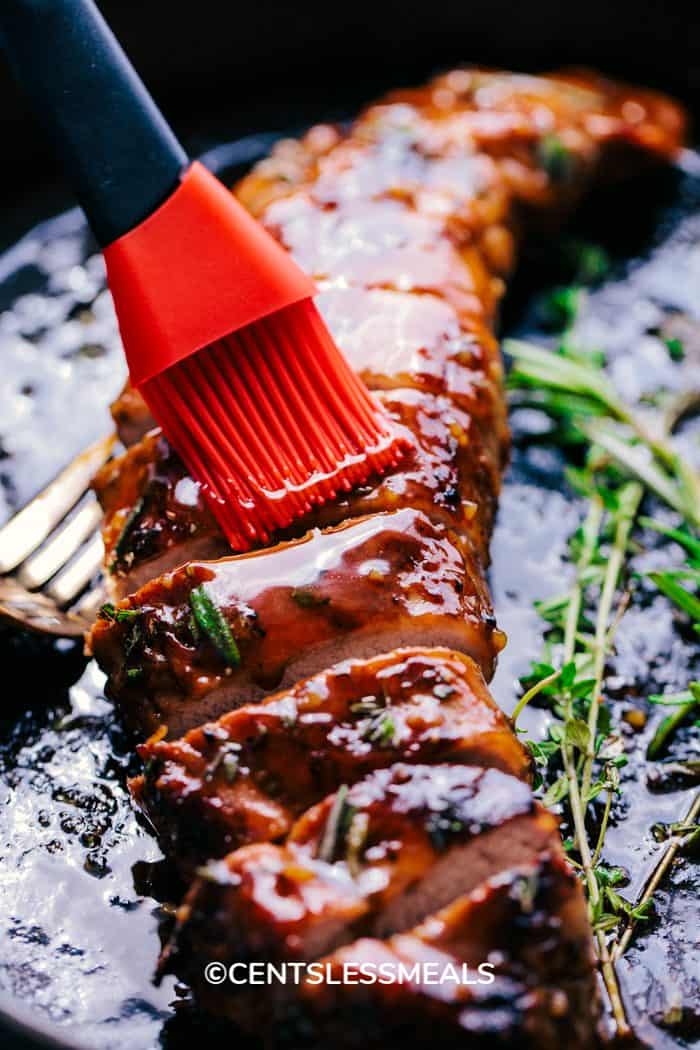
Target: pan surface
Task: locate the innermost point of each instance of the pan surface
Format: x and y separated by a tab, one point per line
82	888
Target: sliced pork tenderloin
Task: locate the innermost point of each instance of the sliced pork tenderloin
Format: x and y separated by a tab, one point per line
536	991
248	776
374	859
210	636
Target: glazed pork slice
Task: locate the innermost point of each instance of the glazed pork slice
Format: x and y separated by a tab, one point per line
528	925
209	636
409	225
156	517
374	859
395	339
248	776
418	836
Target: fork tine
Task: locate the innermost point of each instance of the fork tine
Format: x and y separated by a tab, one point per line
78	573
30	527
90	602
60	547
36	612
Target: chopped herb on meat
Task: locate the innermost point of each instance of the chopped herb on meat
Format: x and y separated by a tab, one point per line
337	825
555	158
212	623
110	612
307	599
121	547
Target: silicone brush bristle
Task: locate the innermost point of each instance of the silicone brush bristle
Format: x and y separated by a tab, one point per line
273	422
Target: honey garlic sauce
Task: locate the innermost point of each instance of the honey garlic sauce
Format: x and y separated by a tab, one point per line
369	584
244	777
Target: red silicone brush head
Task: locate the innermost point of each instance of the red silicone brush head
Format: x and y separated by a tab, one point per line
273	422
235	363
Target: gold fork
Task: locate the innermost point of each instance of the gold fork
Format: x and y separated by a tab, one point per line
51	552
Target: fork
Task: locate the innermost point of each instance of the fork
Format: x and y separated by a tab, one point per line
51	552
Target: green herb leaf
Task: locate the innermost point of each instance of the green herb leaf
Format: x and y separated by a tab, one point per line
557	792
338	819
560	308
110	612
121	547
668	726
211	621
681	536
307	599
675	349
554	157
591	261
668	585
577	734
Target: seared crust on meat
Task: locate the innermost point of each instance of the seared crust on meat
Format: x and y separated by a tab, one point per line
156	517
247	777
409	225
374	860
361	589
527	924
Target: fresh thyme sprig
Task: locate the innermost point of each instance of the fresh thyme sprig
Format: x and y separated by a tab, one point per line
627	456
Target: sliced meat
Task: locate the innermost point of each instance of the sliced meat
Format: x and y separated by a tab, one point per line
378	242
469	149
528	925
248	776
419	836
408	225
212	635
451	476
375	859
156	517
395	339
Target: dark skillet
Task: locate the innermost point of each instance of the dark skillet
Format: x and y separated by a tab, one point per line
78	892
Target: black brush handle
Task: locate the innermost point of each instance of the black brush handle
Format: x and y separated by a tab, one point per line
122	158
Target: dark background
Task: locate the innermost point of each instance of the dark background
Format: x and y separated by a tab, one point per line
221	68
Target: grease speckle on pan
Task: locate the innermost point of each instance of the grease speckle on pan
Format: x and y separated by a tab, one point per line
81	884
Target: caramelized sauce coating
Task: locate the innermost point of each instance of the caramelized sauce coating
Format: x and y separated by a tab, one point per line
376	859
246	777
360	589
527	923
409	224
156	517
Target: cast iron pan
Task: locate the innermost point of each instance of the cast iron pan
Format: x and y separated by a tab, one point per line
83	893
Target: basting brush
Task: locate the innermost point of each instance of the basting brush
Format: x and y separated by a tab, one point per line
220	331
